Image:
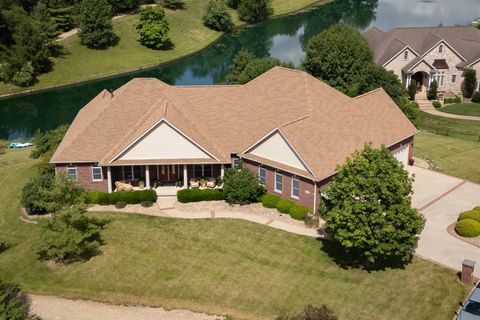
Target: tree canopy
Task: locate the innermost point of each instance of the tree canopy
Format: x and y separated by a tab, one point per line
368	208
253	10
153	28
95	23
216	16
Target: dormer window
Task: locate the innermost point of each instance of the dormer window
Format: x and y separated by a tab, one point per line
440	48
405	55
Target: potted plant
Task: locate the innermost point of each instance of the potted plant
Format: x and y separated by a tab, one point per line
141	184
179	183
203	182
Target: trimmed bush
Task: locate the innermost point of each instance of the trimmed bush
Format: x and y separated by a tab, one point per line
473	214
436	104
468	228
120	204
476	97
284	205
297	212
4	245
196	195
270	200
129	197
452	100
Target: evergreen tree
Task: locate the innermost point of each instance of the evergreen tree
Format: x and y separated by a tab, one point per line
95	22
470	83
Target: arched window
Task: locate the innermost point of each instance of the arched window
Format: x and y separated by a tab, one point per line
440	48
405	55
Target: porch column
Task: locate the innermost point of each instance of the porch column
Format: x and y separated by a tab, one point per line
147	177
109	179
222	171
185	178
409	79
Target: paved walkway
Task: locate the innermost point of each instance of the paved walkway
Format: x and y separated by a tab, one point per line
441	198
435	112
54	308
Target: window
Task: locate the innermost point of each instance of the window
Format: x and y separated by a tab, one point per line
295	188
132	172
207	170
163	169
442	78
405	55
278	182
197	171
440	48
454	78
236	163
262	175
72	172
97	173
173	169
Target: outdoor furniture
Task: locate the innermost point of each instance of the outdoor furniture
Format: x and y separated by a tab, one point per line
211	183
194	183
121	186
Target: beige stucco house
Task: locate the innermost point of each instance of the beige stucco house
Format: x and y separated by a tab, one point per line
426	54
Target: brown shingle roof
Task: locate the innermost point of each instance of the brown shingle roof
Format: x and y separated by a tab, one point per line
323	125
385	45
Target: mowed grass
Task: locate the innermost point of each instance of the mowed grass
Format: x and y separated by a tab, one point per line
464	129
453	156
467	109
187	33
216	266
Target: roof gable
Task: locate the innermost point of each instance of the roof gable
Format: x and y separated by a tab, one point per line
276	147
163	142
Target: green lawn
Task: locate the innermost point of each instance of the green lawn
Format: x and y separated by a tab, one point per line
453	156
187	33
220	266
464	129
467	109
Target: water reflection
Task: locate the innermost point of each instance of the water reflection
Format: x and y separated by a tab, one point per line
283	38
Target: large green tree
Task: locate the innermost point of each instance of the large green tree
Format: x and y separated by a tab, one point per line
369	210
216	16
95	23
153	28
254	10
338	56
241	186
123	5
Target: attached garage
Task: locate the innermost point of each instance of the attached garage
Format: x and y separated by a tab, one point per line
402	153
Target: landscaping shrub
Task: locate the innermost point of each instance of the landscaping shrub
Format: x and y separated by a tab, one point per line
452	100
254	10
284	205
312	312
432	90
14	304
436	104
120	204
473	214
241	186
146	204
153	28
4	245
69	235
468	228
470	83
196	195
412	90
297	212
174	4
476	97
129	197
217	17
270	200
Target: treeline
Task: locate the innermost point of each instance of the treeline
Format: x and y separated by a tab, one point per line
29	29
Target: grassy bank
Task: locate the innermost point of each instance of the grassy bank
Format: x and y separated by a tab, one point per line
188	35
454	156
463	129
466	109
218	266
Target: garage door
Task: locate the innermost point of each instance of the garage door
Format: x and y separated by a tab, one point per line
401	154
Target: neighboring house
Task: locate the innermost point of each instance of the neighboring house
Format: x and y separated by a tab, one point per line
426	54
289	128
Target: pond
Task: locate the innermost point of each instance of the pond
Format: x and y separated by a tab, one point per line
283	38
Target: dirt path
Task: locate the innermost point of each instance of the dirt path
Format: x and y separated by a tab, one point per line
54	308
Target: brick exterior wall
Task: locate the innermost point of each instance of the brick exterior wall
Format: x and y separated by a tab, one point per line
307	187
84	176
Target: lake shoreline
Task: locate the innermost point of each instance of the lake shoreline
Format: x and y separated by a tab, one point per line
237	29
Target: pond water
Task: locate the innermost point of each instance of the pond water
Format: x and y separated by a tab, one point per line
283	38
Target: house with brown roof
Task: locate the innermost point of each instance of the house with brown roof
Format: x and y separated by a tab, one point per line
426	54
288	127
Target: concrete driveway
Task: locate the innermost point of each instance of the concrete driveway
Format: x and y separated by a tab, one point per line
440	198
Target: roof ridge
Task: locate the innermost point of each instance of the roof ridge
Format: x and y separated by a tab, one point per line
293	121
368	93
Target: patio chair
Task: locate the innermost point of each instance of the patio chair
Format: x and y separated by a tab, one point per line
211	183
121	186
194	183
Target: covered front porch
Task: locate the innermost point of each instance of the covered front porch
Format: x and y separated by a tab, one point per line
165	179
